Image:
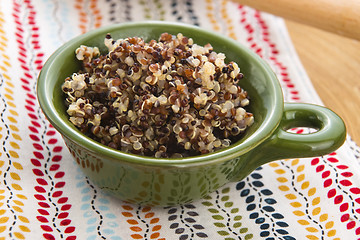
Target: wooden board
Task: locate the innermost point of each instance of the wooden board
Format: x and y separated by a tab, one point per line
333	65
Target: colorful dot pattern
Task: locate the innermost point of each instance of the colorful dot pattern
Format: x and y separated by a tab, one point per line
45	195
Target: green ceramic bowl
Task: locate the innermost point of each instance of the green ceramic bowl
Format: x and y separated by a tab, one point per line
151	181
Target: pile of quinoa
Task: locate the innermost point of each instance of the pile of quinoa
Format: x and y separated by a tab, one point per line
165	98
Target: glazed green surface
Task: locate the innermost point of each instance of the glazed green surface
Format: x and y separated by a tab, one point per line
166	180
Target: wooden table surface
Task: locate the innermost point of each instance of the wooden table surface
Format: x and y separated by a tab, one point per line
333	64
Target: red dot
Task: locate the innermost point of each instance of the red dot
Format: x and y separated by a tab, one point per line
320	168
38	172
315	161
350	225
44	205
331	193
345	217
57	194
65	222
43	212
338	199
327	182
40	189
39	197
41	181
69	229
48	236
42	219
344	207
346	182
325	174
347	174
39	155
63	215
342	166
66	207
46	228
333	160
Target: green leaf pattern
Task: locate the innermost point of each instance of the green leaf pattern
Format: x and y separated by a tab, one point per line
225	215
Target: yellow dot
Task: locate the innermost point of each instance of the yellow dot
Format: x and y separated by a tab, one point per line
11	119
312	237
280	171
312	191
329	224
17	165
15	176
323	217
294	162
17	209
23	219
17	202
2	211
300	168
14	145
9	97
312	229
305	185
6	76
282	179
316	201
9	83
9	90
4	219
290	196
316	211
7	63
5	56
2	229
14	128
16	187
21	196
300	178
5	39
303	222
19	235
296	204
13	112
273	164
331	233
13	154
16	136
284	188
11	104
24	228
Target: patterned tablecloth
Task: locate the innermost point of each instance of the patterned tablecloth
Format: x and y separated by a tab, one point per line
44	194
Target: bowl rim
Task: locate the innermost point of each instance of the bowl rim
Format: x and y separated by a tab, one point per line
264	131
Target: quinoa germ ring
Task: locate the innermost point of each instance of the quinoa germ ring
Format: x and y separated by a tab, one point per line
165	98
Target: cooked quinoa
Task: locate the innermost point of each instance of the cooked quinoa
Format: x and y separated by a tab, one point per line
165	98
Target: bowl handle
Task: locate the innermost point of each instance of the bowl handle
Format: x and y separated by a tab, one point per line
330	134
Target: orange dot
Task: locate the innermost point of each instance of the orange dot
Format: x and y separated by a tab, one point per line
155	235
